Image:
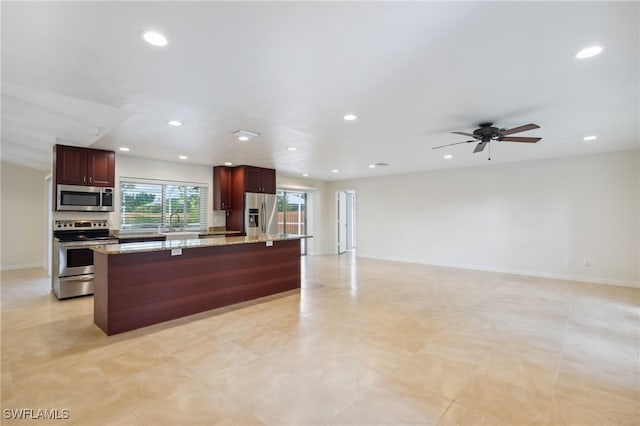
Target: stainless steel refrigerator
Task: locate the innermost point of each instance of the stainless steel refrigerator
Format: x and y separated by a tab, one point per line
260	214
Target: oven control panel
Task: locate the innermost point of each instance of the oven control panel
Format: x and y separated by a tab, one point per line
80	224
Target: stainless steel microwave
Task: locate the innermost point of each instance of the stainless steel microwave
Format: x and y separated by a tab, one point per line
79	198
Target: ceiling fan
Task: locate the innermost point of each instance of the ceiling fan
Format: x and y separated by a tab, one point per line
487	133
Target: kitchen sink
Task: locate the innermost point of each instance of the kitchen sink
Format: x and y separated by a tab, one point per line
180	235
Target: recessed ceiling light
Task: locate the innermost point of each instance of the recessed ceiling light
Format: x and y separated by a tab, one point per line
182	157
174	123
334	171
228	164
589	52
590	138
245	135
125	149
305	174
292	148
382	164
448	156
154	37
372	166
350	117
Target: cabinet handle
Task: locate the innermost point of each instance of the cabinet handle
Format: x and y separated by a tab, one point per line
84	179
90	179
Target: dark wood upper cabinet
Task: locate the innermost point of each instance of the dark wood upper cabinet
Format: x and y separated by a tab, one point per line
230	184
101	167
83	166
252	179
70	164
258	179
222	188
269	181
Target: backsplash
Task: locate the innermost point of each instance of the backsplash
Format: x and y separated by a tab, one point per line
219	218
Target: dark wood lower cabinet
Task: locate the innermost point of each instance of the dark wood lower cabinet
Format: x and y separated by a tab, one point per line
141	239
139	289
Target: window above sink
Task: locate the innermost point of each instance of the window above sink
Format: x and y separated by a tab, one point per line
163	206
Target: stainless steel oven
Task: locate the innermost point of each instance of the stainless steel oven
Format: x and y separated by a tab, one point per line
72	255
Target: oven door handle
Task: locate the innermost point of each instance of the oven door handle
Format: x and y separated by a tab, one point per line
86	277
87	243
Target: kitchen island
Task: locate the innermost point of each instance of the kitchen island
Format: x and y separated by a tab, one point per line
139	284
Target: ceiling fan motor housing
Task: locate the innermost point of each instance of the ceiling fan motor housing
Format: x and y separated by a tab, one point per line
486	132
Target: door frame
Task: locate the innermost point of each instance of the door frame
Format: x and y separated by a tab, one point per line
346	223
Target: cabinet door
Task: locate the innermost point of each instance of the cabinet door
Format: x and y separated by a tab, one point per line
71	165
268	181
222	188
252	179
235	216
101	167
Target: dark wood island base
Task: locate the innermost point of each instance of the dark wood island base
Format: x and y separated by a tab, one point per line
137	289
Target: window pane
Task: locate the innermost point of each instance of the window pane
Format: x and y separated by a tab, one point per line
193	211
151	205
140	205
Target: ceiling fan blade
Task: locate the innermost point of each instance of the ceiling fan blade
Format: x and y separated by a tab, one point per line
464	134
480	147
457	143
519	129
519	139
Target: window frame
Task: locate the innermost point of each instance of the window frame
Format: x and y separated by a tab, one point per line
163	188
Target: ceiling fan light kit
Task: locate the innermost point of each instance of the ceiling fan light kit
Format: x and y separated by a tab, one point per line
487	132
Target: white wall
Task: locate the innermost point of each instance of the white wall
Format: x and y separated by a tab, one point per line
540	218
23	207
135	167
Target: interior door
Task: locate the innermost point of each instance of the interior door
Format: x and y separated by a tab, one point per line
342	222
349	220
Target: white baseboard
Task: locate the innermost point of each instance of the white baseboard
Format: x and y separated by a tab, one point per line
22	266
551	275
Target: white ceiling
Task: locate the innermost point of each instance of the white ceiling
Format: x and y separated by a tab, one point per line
79	72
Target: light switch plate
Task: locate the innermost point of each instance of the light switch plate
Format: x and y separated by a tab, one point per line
269	243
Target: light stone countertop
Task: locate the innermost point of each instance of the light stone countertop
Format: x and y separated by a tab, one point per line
192	243
136	235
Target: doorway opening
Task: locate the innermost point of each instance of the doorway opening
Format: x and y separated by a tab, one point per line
292	215
346	202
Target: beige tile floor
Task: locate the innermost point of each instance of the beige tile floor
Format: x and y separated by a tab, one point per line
364	342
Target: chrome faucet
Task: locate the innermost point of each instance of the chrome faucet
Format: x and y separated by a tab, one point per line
171	221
